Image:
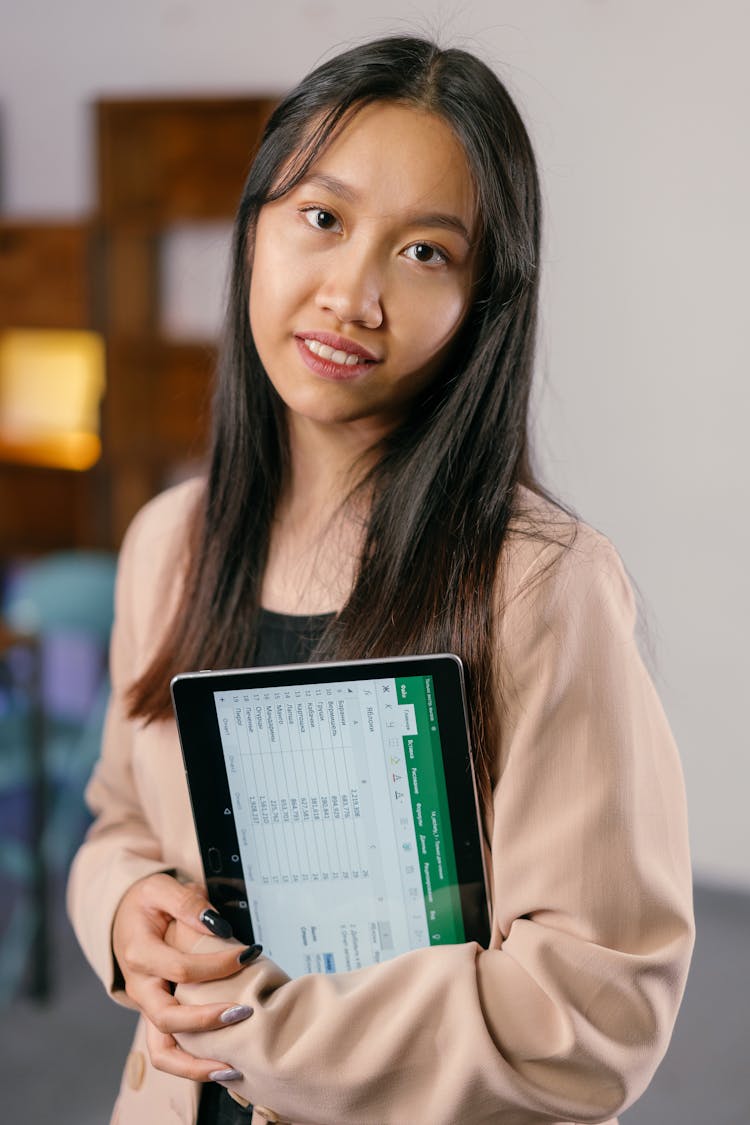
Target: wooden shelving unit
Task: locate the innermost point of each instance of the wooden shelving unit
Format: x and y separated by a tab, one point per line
162	163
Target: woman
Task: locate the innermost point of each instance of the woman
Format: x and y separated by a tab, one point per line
369	494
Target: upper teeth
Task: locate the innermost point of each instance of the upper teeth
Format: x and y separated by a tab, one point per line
332	354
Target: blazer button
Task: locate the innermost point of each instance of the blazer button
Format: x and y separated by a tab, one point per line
135	1070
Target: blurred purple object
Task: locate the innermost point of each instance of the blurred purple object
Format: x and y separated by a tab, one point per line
71	674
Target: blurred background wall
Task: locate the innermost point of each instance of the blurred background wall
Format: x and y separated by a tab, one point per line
639	115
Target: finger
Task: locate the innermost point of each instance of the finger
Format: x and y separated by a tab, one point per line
183	938
171	1017
166	1055
164	895
209	916
150	956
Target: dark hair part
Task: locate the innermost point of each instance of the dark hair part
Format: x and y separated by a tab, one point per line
444	486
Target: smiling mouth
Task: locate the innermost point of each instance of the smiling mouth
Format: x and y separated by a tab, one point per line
334	355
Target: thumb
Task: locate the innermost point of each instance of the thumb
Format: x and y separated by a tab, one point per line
188	903
199	910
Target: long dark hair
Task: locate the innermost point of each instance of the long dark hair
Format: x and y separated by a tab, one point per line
445	484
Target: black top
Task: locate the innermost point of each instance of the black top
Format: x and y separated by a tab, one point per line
282	639
287	639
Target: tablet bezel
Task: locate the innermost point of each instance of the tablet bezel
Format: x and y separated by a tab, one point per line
208	785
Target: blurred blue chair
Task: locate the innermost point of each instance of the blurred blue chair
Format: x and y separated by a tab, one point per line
58	613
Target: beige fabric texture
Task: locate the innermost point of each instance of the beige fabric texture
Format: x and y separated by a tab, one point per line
567	1014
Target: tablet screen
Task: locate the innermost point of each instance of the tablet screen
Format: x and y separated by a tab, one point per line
340	807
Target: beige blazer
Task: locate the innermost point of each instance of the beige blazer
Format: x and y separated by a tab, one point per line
567	1014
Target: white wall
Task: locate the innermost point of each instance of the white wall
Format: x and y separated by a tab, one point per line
639	112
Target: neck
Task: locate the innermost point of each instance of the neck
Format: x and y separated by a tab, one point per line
317	535
326	463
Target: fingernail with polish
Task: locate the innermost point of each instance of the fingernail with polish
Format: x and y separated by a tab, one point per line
227	1075
236	1014
250	954
216	924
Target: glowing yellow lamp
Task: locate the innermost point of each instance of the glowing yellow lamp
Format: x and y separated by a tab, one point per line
51	386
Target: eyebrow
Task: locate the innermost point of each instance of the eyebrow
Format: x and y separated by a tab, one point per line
428	219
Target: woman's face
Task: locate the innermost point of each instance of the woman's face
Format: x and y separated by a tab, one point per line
362	274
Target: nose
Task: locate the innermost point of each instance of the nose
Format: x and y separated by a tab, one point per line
352	288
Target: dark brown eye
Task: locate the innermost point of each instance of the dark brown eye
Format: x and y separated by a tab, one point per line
323	220
426	253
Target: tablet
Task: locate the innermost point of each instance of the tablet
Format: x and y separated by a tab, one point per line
336	807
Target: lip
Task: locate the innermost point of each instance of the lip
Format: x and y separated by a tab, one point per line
325	369
338	343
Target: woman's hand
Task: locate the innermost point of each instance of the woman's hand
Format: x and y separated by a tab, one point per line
150	912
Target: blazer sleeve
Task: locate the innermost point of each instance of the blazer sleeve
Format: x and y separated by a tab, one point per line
120	847
567	1015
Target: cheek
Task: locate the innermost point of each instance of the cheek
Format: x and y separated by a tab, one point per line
262	266
431	325
266	304
256	308
278	289
269	269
